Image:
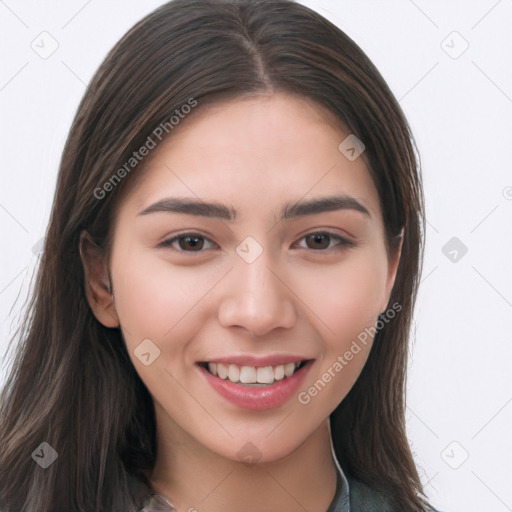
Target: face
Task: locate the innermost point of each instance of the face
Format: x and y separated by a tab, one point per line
250	305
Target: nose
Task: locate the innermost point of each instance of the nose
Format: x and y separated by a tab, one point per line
256	298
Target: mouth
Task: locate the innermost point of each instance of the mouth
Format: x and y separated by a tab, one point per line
254	382
253	376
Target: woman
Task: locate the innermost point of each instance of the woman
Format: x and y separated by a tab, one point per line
229	276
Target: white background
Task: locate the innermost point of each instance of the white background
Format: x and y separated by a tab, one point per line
460	109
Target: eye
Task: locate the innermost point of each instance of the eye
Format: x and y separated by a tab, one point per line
322	240
318	241
188	242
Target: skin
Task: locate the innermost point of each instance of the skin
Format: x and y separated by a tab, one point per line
252	155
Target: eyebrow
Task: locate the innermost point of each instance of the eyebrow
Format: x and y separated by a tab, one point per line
289	210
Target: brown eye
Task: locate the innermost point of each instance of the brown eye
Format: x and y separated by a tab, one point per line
189	242
324	241
194	243
318	241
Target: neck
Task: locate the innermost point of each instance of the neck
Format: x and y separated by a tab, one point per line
304	479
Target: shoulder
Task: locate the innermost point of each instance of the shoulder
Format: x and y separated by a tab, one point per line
145	499
364	498
367	499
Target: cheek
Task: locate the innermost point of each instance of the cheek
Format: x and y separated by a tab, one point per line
160	302
153	297
346	297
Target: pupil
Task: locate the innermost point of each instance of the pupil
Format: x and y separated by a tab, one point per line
317	238
192	242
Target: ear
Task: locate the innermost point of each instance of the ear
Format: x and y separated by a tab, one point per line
393	262
97	282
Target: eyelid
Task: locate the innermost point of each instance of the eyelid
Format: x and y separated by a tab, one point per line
166	243
343	242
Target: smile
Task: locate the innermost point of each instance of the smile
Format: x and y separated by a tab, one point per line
253	375
257	384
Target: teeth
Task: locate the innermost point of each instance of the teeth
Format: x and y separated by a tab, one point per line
289	369
247	375
252	374
265	375
233	373
222	370
279	372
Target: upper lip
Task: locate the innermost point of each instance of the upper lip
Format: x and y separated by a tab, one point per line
249	360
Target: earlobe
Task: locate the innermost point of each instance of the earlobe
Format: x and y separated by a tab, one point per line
98	287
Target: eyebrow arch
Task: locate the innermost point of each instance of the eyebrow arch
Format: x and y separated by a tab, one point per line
289	211
323	204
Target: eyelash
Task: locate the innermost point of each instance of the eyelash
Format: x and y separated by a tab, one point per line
342	242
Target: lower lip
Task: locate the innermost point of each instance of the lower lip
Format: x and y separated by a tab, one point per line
258	398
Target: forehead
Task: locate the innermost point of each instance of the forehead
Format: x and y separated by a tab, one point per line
254	152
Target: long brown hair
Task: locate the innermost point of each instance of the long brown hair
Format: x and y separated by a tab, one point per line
72	383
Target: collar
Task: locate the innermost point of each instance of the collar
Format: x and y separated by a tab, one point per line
341	500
